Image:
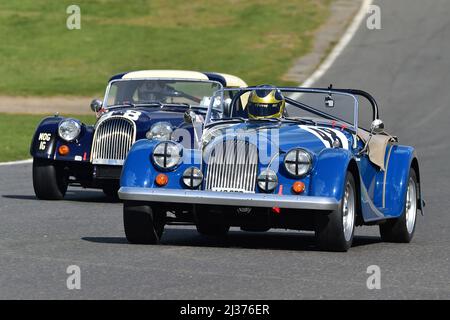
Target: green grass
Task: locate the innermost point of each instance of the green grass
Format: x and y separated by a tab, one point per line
255	39
17	131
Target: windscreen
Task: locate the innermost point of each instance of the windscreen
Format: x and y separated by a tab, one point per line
161	91
308	104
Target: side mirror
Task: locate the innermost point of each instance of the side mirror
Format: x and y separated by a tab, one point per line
377	126
329	102
96	105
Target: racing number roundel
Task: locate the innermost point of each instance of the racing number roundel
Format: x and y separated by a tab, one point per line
129	114
132	115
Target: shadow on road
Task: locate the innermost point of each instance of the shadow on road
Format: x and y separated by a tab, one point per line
238	239
73	196
105	240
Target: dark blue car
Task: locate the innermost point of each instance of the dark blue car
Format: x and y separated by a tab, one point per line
147	104
326	165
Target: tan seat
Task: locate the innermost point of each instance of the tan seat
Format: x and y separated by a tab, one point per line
377	146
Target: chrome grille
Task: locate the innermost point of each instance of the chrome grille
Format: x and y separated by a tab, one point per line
232	167
113	139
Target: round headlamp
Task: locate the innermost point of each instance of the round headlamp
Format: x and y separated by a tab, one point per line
267	180
69	129
297	162
160	131
192	177
167	154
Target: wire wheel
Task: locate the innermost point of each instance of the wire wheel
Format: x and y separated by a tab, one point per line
411	205
348	211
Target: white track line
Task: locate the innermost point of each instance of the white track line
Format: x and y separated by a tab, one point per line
16	162
340	46
320	71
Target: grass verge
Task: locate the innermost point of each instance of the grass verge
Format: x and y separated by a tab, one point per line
255	39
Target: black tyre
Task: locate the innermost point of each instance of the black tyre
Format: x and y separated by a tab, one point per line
142	224
334	231
402	229
49	181
110	191
208	229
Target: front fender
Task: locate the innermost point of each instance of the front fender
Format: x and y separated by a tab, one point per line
397	174
139	171
329	172
46	141
43	144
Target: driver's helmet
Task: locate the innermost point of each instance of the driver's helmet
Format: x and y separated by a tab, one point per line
153	90
265	102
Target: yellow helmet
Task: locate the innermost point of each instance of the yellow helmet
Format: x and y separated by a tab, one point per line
265	102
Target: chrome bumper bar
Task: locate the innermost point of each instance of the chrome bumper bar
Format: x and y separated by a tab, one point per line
227	198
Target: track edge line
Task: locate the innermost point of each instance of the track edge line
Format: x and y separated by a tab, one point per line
340	46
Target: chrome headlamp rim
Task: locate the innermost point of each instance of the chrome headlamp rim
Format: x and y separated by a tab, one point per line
77	125
194	176
308	163
153	132
164	154
263	183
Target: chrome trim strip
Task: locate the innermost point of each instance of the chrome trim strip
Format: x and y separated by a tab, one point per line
365	198
385	176
235	199
109	162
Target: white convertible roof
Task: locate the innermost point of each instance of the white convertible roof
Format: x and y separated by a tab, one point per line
227	80
178	74
233	81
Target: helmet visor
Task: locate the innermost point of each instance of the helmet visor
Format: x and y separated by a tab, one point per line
263	110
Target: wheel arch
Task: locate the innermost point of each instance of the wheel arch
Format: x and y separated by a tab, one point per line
43	143
354	170
330	170
402	160
416	168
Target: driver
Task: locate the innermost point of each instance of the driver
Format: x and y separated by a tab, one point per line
153	90
265	102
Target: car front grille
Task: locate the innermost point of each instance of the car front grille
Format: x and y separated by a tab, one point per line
232	167
113	139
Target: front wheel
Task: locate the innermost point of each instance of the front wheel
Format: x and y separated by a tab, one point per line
334	231
49	181
111	190
402	229
143	224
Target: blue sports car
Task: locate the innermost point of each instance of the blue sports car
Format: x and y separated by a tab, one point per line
147	104
291	158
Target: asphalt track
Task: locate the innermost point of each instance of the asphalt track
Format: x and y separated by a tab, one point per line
405	65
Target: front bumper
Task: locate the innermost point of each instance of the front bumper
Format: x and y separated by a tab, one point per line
228	198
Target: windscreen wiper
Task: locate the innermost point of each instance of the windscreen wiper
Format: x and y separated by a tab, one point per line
150	103
263	120
123	104
177	104
161	104
231	120
301	120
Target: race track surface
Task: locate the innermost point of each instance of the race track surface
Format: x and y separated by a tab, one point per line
405	65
